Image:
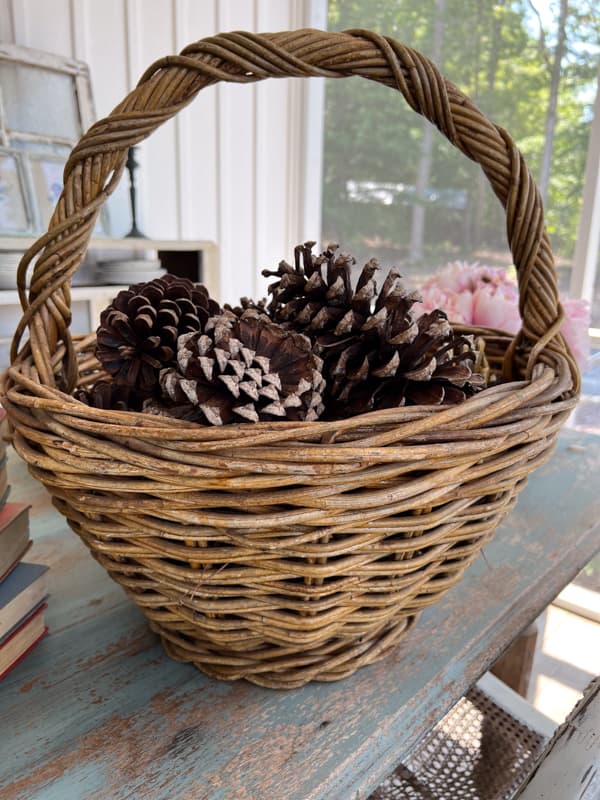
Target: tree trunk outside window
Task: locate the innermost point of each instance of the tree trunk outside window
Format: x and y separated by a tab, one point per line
417	234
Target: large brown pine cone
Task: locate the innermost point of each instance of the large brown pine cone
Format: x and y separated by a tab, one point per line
316	294
434	366
376	353
138	332
245	368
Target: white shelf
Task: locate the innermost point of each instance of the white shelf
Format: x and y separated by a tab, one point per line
10	297
87	301
209	251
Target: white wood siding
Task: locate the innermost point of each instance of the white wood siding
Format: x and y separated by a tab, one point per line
233	166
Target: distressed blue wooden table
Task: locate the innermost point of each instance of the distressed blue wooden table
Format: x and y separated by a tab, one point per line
97	711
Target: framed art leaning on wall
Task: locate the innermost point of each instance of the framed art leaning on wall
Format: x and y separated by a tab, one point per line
45	106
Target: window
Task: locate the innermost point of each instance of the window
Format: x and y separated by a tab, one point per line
45	105
396	189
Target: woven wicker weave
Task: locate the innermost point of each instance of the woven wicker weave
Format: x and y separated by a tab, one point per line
286	552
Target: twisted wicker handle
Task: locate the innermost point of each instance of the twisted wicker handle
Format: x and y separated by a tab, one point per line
96	163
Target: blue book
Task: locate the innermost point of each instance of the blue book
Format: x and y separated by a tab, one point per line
24	589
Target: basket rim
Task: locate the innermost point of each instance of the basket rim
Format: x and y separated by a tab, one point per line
546	387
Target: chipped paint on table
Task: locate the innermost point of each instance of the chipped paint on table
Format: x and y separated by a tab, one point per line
97	711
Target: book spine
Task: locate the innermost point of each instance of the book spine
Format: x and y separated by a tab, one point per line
24	653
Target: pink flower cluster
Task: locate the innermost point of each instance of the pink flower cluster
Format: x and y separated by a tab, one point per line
472	294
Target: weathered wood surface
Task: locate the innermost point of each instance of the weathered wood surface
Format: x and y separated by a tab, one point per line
570	767
97	711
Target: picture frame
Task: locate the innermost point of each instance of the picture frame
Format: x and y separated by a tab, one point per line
46	179
38	135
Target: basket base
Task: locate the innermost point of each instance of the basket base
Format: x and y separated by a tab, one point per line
284	668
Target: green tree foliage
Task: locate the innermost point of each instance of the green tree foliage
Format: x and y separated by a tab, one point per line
497	51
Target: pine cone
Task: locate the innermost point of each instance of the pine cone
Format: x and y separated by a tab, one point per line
316	295
316	298
110	395
376	353
138	332
434	367
246	368
247	304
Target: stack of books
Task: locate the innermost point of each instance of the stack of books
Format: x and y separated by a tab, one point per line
23	586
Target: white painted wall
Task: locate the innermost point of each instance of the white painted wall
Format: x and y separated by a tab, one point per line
233	166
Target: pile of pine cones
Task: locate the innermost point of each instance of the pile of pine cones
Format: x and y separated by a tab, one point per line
319	349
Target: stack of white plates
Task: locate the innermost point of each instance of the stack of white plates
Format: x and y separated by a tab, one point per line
129	271
9	261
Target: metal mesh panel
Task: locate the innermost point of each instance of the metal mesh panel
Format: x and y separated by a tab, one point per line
476	752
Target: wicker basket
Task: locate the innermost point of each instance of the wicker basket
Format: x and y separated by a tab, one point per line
287	552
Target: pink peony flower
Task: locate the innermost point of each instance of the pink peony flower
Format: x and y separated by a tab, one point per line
454	277
458	306
473	294
497	307
459	276
575	329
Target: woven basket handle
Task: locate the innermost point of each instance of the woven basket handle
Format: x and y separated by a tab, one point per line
96	163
